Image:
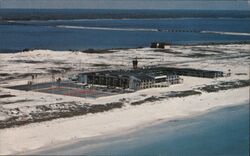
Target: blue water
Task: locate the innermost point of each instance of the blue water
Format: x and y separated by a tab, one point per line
220	132
45	34
63	14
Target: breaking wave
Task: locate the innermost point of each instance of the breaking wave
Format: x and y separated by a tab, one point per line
226	33
126	29
105	28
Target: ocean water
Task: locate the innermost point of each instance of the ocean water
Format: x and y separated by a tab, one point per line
104	29
222	132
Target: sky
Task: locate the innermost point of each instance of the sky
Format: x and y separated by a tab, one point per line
129	4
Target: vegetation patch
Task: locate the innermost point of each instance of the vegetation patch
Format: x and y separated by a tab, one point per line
168	51
54	111
240	73
17	101
225	86
18	76
172	94
101	65
149	99
6	96
28	61
147	58
198	55
59	62
94	51
55	71
4	74
183	93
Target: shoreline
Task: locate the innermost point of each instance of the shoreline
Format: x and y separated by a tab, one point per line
113	50
93	141
100	128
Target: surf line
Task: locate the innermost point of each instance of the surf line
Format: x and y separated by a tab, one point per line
125	29
226	33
